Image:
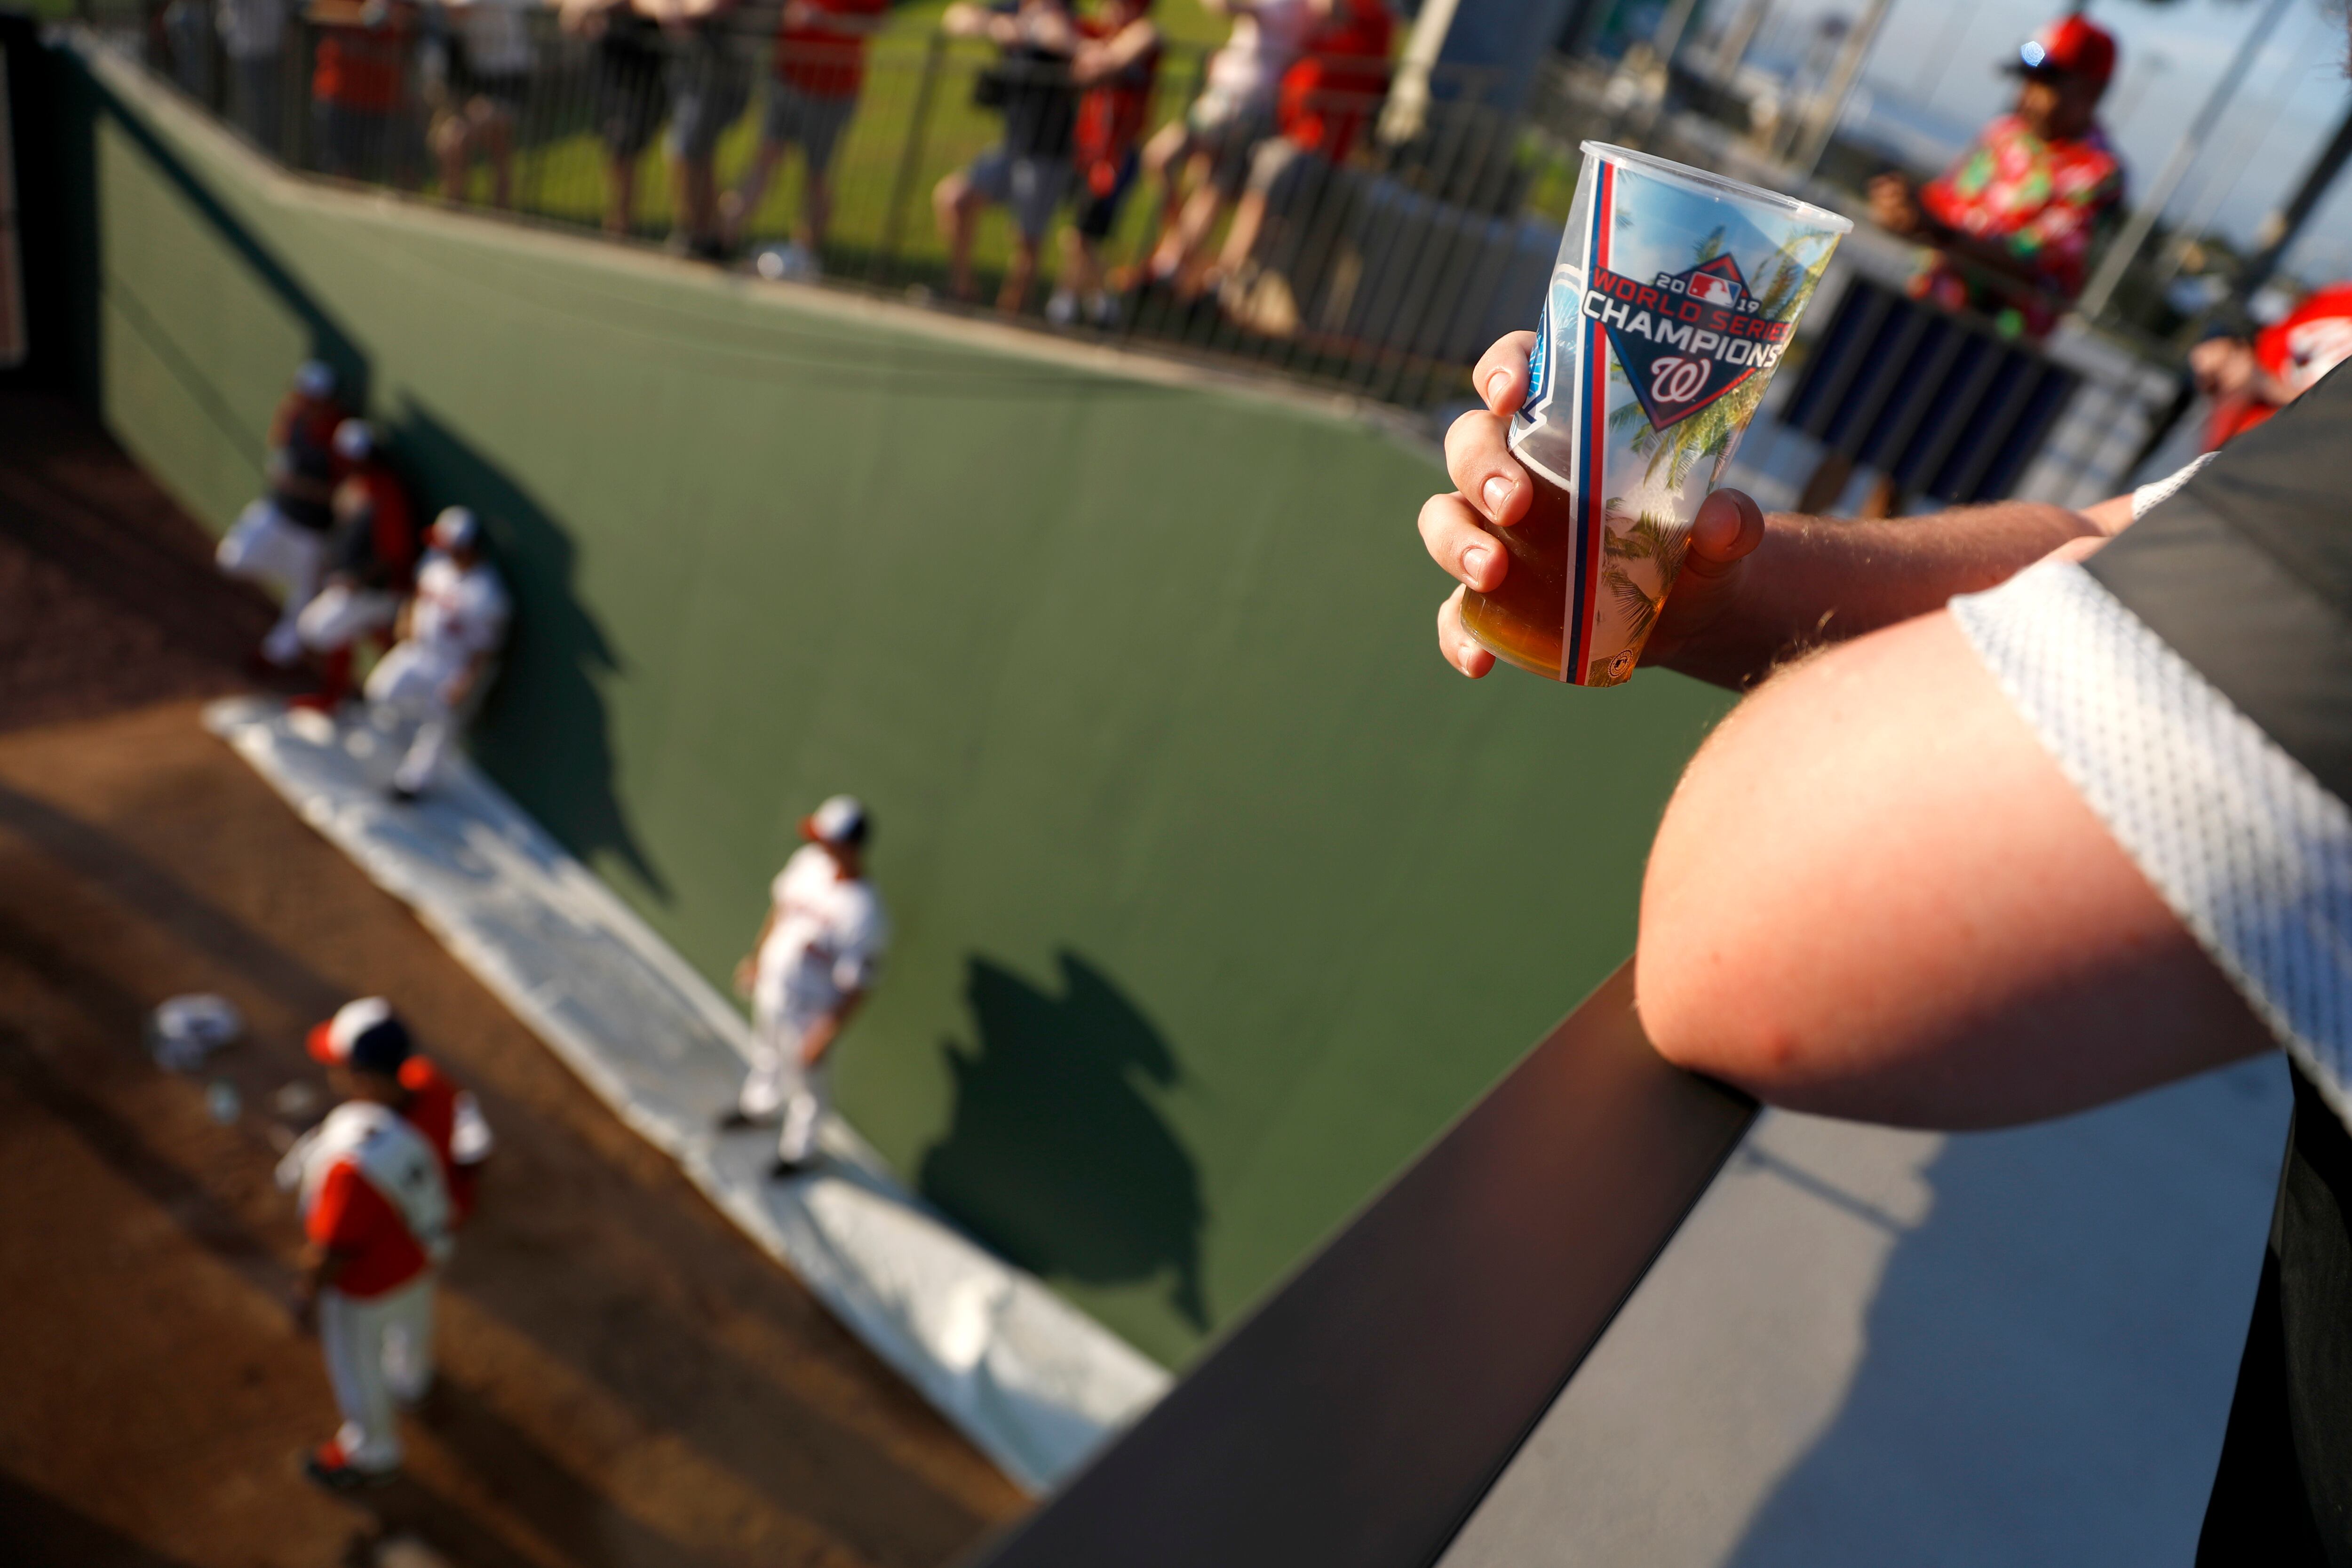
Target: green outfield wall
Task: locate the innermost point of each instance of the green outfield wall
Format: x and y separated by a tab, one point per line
1216	893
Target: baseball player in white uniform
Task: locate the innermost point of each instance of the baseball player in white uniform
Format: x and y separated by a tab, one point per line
813	964
449	633
376	1214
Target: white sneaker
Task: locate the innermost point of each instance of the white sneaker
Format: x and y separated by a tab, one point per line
1062	309
789	263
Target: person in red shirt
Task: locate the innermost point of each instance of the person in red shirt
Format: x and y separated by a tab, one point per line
1116	67
359	87
2013	220
1323	104
2249	382
820	68
383	1181
372	565
280	540
2010	226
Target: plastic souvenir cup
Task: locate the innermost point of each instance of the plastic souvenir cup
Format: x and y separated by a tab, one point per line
1675	295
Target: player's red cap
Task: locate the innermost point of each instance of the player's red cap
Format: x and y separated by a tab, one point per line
2071	45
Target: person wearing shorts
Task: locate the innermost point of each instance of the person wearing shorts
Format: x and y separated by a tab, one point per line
359	87
1328	98
708	88
1202	161
1117	68
253	37
629	99
1028	172
489	71
280	540
820	68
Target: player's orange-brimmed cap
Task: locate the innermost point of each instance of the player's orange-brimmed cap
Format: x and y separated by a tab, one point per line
2071	45
841	820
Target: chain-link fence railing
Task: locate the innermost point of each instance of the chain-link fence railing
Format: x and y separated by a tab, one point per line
1324	250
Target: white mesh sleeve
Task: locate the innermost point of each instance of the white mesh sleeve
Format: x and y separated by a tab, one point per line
2154	494
2248	849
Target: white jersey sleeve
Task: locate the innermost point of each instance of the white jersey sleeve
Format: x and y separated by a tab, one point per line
2243	843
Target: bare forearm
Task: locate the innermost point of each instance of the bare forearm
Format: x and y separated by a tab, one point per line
1815	581
1875	896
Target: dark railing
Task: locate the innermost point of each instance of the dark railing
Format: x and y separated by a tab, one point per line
1385	273
1362	1412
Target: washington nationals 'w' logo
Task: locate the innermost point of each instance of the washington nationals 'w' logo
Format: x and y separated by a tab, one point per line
1674	379
1685	338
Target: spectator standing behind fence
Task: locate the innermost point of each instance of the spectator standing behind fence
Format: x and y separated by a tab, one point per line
1116	67
487	64
1029	170
253	37
371	564
630	100
708	88
1202	160
820	68
2247	382
359	87
2013	222
280	540
1326	99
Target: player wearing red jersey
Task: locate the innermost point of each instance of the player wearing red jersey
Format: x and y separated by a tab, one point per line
383	1183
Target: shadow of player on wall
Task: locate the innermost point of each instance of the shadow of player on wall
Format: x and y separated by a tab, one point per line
543	733
1056	1156
85	100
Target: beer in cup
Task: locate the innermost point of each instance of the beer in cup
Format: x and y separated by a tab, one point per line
1675	295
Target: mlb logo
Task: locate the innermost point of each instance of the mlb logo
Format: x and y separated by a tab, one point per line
1713	289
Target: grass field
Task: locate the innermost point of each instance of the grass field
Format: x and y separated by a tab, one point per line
915	123
896	151
886	166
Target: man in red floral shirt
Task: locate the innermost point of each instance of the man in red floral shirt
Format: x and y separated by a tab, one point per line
2013	220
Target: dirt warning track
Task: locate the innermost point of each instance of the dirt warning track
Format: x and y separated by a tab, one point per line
625	1379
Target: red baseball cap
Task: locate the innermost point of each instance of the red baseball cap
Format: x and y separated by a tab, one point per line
2071	45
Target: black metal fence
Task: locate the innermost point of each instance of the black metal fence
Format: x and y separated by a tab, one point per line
1381	264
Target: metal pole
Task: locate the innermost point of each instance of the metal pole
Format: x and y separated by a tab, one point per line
1830	107
1734	46
1669	36
2214	189
1408	105
2278	233
2282	227
2144	217
2152	66
909	161
1939	58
